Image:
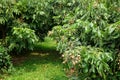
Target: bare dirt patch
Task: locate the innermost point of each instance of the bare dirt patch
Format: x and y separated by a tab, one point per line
18	60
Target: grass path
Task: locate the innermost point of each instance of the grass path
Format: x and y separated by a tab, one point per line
39	66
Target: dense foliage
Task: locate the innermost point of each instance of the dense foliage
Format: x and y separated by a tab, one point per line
22	39
88	36
5	63
26	15
36	15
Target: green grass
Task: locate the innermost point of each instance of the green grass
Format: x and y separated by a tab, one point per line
40	66
47	45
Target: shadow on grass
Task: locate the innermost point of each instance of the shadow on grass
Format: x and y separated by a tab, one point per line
39	58
44	63
48	64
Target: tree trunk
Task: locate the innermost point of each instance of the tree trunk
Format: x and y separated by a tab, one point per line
2	30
